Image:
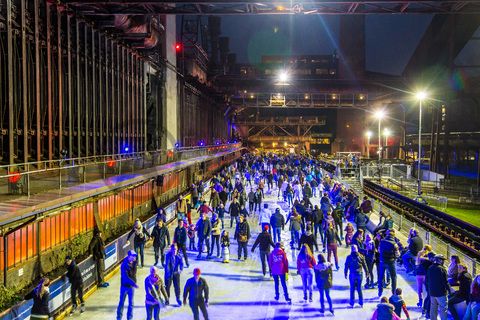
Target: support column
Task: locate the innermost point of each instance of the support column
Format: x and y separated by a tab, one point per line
170	111
49	82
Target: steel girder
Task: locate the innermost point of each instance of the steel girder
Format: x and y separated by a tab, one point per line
266	7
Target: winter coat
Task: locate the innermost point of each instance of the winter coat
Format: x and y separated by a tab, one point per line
204	228
128	276
40	304
159	235
278	262
415	244
216	227
308	239
354	264
242	228
264	240
388	249
277	220
324	275
74	275
173	264
97	248
154	287
361	220
331	236
234	209
196	291
305	262
437	282
141	235
180	236
384	311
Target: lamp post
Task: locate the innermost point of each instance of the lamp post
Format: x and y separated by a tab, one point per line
369	135
386	133
379	114
420	96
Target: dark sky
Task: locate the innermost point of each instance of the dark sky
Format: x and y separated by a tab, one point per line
390	39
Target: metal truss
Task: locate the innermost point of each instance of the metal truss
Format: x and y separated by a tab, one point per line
266	7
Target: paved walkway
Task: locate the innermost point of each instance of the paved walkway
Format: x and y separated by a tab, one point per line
239	291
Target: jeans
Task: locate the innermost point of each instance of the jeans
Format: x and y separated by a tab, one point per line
264	259
250	206
153	309
277	234
139	249
215	242
420	284
295	238
191	245
289	199
242	246
160	253
200	245
175	278
183	248
452	301
307	281
390	267
199	304
74	290
317	227
332	248
325	292
282	279
356	284
233	218
438	306
369	263
124	292
339	228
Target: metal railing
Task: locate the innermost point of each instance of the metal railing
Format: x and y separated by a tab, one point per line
34	177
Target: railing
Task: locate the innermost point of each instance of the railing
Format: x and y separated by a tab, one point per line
34	177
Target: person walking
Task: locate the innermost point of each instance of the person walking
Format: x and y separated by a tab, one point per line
308	238
422	264
388	253
295	227
97	250
277	221
139	240
361	221
337	215
264	239
354	265
317	217
154	287
173	269
438	288
197	291
180	239
74	276
181	208
234	211
128	282
370	251
41	296
324	281
305	264
216	231
333	241
278	262
251	200
161	239
242	235
204	230
264	217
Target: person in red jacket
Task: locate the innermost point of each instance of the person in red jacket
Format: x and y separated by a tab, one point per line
278	262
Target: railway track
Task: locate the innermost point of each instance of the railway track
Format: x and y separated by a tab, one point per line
455	231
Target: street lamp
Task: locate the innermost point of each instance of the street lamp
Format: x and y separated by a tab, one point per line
379	114
283	78
420	96
368	134
386	133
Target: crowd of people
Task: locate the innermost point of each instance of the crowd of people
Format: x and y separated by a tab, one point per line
317	229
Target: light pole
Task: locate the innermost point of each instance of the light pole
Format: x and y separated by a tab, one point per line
379	114
369	135
421	95
386	133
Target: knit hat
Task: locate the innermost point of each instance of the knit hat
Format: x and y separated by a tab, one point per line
266	227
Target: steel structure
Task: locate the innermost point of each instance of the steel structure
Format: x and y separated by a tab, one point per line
255	7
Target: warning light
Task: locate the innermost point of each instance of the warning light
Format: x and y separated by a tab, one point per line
178	47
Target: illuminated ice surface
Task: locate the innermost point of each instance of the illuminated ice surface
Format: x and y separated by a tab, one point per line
239	291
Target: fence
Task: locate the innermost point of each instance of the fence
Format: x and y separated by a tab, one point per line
34	177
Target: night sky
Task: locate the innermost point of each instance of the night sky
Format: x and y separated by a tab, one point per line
390	39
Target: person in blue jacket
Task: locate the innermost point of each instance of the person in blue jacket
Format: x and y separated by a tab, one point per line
128	282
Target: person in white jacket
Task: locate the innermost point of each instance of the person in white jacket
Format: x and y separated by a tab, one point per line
264	217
